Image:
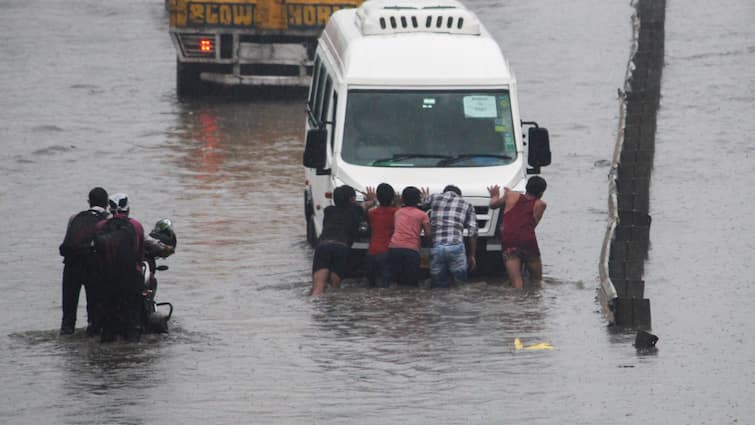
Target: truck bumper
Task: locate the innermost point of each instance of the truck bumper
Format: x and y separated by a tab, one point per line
238	59
256	80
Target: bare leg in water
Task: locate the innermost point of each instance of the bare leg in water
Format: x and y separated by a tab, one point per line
535	268
320	281
514	270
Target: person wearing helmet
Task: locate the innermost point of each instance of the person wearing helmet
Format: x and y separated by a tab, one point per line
161	241
119	243
120	208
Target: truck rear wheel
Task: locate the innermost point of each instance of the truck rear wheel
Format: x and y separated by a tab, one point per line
188	82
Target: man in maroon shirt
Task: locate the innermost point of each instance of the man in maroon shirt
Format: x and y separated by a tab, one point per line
521	214
120	247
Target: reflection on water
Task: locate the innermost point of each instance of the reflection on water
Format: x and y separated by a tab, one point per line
246	142
425	353
210	157
410	325
420	312
118	378
237	164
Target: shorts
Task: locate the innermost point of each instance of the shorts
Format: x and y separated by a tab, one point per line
331	256
522	254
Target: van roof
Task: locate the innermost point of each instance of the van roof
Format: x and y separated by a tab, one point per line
414	42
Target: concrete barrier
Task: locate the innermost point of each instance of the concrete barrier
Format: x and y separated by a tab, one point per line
627	239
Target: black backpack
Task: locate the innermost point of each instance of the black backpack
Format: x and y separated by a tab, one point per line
80	234
115	244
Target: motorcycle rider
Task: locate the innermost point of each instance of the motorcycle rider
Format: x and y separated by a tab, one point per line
80	265
120	248
159	243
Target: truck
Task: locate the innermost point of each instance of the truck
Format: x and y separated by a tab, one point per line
247	42
415	93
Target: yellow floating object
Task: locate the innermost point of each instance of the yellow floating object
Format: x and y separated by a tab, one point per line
517	344
539	346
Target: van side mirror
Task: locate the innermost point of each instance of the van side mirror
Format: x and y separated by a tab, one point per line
315	148
538	147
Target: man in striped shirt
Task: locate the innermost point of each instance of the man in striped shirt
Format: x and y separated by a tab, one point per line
450	214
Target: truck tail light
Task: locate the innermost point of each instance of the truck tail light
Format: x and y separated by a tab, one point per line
206	45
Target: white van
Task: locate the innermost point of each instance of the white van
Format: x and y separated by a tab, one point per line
415	93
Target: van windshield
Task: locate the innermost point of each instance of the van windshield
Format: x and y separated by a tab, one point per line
428	128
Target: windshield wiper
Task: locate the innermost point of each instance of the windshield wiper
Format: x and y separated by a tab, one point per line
404	156
454	159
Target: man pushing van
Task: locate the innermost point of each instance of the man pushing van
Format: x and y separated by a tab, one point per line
450	214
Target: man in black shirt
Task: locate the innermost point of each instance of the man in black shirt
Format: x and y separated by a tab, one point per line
340	226
80	263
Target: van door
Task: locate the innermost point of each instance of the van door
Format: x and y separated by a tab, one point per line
321	114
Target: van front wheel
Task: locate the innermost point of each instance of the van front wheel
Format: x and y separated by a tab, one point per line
308	212
311	232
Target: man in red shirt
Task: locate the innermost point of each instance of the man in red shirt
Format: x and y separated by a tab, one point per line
381	230
521	213
120	247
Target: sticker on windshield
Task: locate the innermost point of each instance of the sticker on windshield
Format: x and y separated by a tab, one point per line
480	107
428	103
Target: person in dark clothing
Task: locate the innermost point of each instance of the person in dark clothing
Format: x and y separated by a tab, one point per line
521	214
80	263
340	226
119	242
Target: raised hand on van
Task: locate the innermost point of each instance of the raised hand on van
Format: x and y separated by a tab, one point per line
370	197
425	192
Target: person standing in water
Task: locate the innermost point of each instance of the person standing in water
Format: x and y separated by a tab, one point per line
80	263
340	227
521	214
406	241
381	220
450	214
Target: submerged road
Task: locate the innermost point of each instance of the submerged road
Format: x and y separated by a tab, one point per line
89	99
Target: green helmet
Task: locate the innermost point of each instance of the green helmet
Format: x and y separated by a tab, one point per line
163	231
163	224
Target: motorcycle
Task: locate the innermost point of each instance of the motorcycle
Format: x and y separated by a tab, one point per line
160	244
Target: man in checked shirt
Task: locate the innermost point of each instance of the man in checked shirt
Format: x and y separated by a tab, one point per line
450	214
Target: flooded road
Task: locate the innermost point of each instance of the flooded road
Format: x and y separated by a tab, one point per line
88	98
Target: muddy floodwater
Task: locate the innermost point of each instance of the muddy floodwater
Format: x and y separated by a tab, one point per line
87	98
